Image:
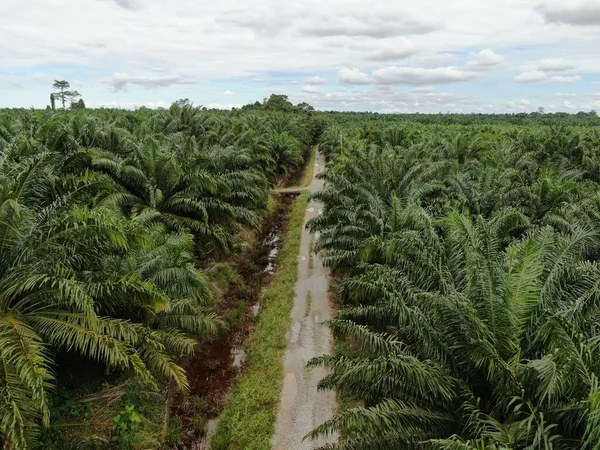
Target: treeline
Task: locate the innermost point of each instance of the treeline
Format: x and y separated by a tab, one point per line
109	220
534	118
468	262
278	102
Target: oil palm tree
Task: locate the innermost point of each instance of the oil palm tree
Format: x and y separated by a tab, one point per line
57	293
197	198
482	352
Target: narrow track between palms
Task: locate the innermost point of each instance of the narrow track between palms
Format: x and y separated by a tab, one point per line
302	408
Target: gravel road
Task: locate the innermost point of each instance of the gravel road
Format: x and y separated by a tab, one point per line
302	408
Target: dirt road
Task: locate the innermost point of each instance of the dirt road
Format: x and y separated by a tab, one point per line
302	408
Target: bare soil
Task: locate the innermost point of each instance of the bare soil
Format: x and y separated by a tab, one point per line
214	368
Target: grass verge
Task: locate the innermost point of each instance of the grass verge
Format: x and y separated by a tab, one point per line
308	303
248	421
310	167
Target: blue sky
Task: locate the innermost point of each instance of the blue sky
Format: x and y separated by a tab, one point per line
387	56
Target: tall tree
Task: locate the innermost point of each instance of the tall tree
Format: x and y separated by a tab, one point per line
64	93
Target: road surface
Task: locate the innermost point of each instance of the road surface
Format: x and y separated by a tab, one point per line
302	408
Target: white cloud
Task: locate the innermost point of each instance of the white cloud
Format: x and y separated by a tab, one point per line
565	95
272	44
77	84
438	60
521	105
374	22
311	89
390	54
479	63
129	105
564	80
534	76
485	60
222	106
394	50
396	101
424	89
569	105
418	76
353	76
228	92
592	104
555	65
531	77
119	81
316	80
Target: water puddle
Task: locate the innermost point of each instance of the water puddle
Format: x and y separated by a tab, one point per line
215	368
272	242
238	351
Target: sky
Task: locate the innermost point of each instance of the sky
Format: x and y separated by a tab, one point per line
387	56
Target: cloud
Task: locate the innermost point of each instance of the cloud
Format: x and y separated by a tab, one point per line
38	78
479	63
532	76
439	59
400	48
390	54
230	44
555	65
129	105
569	105
396	101
120	81
353	76
263	21
420	76
565	95
535	76
524	102
77	84
564	80
228	92
368	23
311	89
581	13
424	89
128	4
221	106
316	80
485	60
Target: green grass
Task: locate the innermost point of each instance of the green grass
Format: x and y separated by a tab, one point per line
308	303
310	167
248	421
271	205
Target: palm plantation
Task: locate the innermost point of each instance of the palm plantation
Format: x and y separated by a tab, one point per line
464	250
109	221
469	286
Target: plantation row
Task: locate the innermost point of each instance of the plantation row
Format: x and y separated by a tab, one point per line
468	265
109	223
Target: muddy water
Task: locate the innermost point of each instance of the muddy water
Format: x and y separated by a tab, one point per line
217	364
